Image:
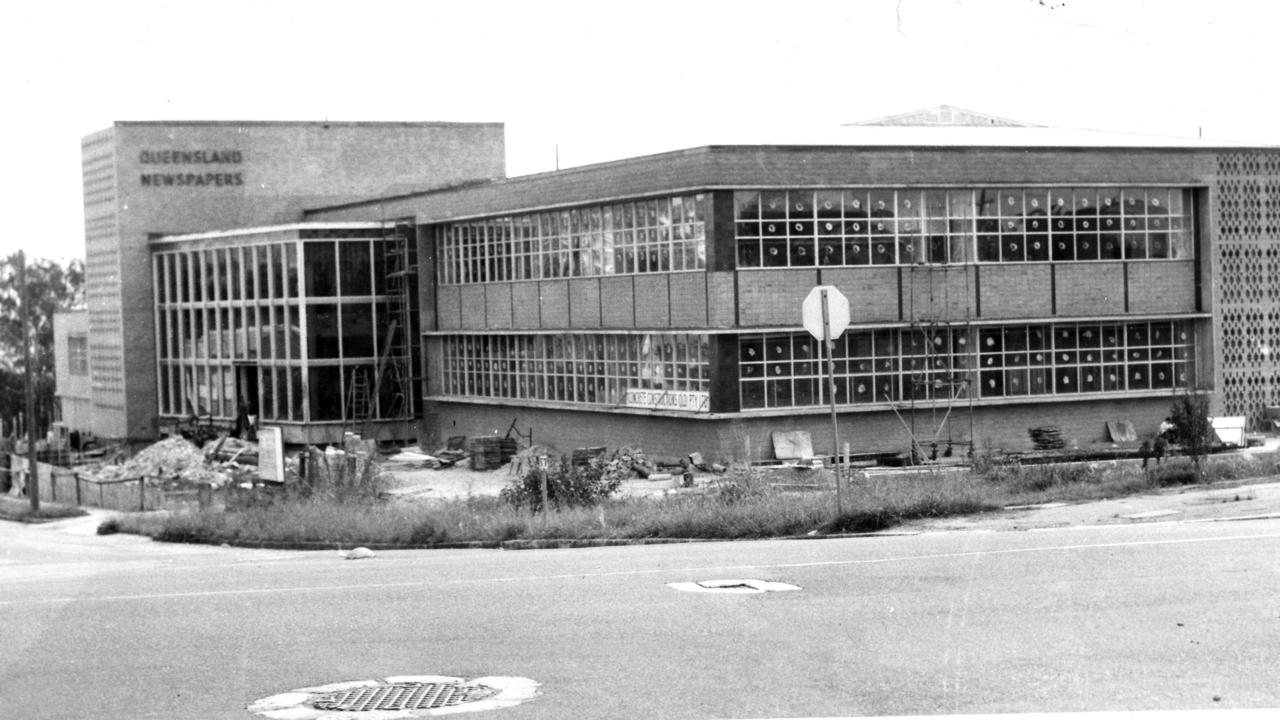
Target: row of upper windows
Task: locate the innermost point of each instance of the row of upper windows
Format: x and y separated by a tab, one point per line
796	228
840	227
332	268
647	236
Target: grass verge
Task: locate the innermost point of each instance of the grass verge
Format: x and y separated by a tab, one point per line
742	505
19	510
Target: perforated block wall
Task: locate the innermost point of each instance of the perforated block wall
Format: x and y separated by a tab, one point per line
1245	212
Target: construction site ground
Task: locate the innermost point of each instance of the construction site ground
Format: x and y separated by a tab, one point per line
1259	497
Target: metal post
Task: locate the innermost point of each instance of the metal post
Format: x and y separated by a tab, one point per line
831	395
542	470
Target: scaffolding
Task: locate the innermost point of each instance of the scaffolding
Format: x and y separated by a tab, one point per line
943	373
389	394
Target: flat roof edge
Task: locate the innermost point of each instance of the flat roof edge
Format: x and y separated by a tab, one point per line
304	123
261	230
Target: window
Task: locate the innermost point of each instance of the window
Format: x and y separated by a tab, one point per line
78	354
646	236
891	365
882	226
598	369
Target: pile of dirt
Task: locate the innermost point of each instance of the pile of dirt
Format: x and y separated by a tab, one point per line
174	460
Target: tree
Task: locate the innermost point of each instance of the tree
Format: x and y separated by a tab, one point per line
50	288
1190	418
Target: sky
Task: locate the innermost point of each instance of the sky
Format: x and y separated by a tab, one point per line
584	82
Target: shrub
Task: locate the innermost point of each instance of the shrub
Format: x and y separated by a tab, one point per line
743	483
570	485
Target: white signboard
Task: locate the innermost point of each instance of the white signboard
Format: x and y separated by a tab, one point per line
836	315
271	454
684	400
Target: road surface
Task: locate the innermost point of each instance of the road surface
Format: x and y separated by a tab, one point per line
1157	616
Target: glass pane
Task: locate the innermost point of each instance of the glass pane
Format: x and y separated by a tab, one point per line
322	269
355	268
357	330
322	331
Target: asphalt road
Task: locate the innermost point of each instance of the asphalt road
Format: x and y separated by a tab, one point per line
1176	616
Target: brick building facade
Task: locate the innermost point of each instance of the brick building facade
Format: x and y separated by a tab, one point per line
993	288
998	279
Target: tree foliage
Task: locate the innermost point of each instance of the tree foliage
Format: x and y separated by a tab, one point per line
50	288
1190	418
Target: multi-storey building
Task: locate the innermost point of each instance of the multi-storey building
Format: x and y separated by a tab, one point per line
999	278
147	179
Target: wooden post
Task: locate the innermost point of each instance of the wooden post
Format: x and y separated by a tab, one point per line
142	494
33	469
77	477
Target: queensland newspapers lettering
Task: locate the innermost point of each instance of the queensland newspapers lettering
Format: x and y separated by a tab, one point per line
685	400
207	177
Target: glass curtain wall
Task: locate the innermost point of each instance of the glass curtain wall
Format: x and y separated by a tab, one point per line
225	311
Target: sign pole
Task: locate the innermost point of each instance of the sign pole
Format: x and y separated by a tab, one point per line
831	395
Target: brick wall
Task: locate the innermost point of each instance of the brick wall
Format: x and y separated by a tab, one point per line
497	306
1083	423
472	310
584	303
1016	290
525	308
653	303
1162	287
618	309
873	293
772	298
689	300
1089	288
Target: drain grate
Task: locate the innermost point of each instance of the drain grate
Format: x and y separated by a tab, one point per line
735	586
402	696
398	696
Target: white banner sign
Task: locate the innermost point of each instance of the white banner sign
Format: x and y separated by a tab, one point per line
271	454
684	400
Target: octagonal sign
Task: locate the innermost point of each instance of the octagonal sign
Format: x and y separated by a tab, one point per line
837	312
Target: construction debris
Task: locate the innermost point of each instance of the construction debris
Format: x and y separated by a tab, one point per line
490	453
175	461
1047	437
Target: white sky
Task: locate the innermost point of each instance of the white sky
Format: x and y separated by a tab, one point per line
604	83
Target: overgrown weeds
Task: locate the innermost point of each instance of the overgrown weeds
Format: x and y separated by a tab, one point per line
20	509
742	504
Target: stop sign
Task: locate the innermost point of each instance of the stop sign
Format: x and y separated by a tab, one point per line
837	312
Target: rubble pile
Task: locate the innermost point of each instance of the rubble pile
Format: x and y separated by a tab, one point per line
174	461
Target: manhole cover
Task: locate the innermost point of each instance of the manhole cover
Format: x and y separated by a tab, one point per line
403	696
732	586
415	696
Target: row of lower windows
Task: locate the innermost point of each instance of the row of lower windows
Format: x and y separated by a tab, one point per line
593	369
905	364
279	393
781	370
